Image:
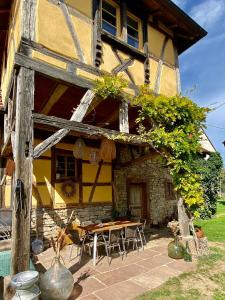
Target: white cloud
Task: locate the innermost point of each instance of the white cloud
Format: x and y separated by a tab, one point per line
208	12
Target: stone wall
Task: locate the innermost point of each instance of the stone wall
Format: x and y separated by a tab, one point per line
154	173
46	220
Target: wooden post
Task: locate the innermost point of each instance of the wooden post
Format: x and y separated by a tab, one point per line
123	117
22	194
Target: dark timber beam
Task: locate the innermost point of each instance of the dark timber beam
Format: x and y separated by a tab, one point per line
86	130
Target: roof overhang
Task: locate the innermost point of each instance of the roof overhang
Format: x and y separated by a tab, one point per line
186	31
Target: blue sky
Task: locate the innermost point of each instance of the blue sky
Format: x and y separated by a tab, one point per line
202	66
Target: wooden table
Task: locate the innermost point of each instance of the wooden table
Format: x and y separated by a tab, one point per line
103	227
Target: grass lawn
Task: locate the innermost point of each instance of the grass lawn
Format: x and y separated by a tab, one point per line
208	281
215	228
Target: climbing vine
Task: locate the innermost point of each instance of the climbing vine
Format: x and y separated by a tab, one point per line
109	85
173	126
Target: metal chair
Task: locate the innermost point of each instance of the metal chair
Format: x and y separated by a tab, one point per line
78	243
4	231
132	234
141	230
113	241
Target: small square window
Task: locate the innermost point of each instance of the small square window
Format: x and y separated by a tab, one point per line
65	166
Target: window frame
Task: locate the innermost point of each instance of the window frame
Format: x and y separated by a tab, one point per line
64	153
140	32
118	24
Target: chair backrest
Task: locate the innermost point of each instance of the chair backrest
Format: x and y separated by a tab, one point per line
75	236
114	235
131	232
143	221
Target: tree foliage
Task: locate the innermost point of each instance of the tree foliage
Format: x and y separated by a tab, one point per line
109	86
175	129
210	171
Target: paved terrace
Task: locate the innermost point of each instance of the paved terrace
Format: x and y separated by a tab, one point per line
123	279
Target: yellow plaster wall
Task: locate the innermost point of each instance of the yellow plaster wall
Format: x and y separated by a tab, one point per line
48	59
155	39
101	194
83	6
153	71
168	84
169	53
61	199
8	192
89	172
53	32
12	46
137	71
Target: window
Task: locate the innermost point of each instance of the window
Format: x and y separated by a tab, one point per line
109	18
111	22
65	166
132	32
169	191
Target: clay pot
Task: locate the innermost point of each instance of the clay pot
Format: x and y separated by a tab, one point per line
199	232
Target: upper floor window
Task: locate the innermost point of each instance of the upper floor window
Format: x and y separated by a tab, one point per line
111	23
133	31
109	18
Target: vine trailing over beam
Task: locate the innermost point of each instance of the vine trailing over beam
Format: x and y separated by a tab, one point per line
176	129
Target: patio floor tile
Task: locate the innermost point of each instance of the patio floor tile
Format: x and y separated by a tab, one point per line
126	290
154	262
147	280
90	285
121	274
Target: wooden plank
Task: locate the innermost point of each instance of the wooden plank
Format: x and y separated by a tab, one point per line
72	29
126	70
55	96
77	115
97	41
123	117
46	69
159	69
124	19
28	19
87	130
23	171
95	182
123	66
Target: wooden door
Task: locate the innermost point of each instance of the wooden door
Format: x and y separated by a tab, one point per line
137	202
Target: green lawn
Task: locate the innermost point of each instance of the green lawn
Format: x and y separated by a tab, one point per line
208	281
215	228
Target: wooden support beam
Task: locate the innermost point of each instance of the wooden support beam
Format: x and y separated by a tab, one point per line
86	130
55	96
46	69
177	70
123	117
123	66
97	40
77	115
159	69
95	182
23	171
72	30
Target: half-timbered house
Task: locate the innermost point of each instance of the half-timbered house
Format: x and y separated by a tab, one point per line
51	52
